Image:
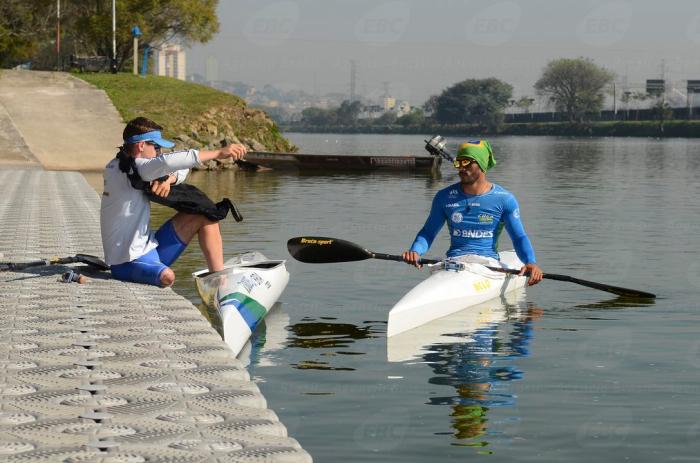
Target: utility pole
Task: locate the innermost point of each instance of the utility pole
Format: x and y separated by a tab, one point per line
58	35
114	37
353	80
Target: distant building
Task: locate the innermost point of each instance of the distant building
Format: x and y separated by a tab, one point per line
171	61
403	109
371	112
388	103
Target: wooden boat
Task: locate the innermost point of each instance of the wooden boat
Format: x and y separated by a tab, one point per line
327	162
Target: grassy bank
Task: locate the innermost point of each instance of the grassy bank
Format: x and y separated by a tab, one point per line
678	128
190	111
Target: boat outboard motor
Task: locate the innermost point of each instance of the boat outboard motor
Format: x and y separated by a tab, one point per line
436	147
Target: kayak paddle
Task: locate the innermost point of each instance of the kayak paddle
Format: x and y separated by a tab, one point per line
92	261
324	250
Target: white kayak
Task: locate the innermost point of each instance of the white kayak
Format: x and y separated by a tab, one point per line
449	291
242	293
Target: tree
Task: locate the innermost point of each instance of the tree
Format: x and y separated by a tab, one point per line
474	101
87	25
318	116
415	117
23	28
575	86
662	112
525	103
430	105
348	111
388	118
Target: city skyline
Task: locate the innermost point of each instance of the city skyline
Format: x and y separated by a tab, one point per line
421	49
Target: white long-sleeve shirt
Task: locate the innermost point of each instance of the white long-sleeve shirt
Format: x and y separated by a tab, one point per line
125	212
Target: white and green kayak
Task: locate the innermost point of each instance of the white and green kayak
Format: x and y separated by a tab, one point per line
242	293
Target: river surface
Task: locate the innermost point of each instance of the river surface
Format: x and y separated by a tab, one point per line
560	373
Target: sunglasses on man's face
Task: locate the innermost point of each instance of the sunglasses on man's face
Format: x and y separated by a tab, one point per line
463	163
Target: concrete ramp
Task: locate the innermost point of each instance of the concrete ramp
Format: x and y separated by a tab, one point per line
65	123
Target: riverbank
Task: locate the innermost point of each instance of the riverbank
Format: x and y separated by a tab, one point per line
193	115
652	129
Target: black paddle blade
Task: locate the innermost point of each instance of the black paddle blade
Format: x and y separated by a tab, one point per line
323	250
620	291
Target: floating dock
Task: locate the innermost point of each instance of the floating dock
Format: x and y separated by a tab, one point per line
108	371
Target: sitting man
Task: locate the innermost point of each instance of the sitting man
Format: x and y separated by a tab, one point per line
132	250
476	211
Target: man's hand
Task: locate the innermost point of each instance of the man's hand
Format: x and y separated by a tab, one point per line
412	258
162	189
534	271
235	152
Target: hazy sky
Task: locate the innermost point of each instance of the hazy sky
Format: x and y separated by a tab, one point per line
422	46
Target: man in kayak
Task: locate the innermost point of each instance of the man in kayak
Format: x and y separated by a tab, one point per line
476	211
131	249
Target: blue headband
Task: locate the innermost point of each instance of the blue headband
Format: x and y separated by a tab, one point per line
153	136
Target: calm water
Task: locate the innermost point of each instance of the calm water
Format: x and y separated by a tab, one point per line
562	373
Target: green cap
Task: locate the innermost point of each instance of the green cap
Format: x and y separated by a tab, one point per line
480	151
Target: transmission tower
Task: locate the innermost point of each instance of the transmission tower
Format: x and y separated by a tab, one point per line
353	80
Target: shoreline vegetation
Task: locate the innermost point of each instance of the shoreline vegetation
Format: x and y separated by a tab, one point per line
652	129
193	115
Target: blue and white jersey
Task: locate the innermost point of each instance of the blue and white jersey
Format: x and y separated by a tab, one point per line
475	223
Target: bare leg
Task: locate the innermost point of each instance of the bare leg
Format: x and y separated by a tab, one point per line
212	246
188	225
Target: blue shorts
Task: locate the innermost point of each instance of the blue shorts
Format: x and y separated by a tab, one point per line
147	268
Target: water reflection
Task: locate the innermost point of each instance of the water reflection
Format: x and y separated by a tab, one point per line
480	372
268	338
329	339
474	352
619	302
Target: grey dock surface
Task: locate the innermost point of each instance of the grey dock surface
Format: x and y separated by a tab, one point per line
109	371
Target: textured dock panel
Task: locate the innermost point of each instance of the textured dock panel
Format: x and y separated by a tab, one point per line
108	371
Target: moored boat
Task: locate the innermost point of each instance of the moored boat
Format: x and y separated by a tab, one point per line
343	163
242	293
450	290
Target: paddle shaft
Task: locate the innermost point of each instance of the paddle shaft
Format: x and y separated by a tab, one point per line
92	261
379	255
625	292
620	291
